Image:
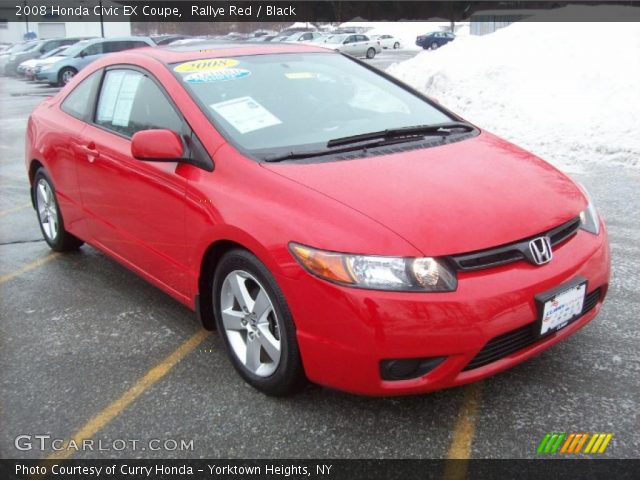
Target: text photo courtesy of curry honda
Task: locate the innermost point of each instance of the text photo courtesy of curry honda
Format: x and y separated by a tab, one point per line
331	237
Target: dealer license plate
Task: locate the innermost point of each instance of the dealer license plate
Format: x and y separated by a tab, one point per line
562	308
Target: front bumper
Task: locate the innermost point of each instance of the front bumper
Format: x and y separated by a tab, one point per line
344	333
46	76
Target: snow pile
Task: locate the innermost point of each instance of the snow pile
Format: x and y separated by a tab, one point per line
569	92
405	31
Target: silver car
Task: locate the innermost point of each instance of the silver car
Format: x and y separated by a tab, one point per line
355	44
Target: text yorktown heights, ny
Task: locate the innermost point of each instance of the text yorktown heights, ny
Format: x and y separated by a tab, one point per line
161	470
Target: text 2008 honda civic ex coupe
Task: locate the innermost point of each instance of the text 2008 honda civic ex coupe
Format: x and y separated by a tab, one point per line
332	223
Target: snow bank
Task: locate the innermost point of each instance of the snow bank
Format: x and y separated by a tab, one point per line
569	92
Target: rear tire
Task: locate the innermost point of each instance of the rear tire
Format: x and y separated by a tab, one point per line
256	325
49	215
396	46
371	52
434	46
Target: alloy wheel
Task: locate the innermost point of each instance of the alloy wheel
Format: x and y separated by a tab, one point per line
250	323
47	209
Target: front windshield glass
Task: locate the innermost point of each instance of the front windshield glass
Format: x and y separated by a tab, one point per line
23	47
273	103
336	39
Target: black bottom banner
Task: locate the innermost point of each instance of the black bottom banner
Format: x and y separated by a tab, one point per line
318	469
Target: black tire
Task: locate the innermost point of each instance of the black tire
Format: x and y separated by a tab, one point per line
63	241
396	45
434	46
371	52
289	376
65	75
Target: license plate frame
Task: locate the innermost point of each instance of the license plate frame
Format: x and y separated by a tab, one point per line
570	297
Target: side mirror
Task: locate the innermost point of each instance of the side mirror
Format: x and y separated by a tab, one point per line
157	146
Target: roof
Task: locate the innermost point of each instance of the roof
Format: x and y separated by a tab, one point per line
208	49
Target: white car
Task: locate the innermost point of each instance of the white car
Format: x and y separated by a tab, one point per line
303	37
356	45
387	41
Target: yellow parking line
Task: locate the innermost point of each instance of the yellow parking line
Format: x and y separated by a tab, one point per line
100	420
28	267
460	449
15	209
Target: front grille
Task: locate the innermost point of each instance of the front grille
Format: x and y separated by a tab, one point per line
512	252
520	338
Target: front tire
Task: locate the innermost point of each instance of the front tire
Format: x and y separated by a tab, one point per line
65	75
49	215
371	52
434	46
256	325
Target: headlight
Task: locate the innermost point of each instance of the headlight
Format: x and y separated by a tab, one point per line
589	220
424	274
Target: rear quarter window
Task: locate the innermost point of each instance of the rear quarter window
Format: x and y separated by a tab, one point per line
79	103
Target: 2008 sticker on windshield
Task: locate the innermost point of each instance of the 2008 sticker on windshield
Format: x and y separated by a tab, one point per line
245	114
206	65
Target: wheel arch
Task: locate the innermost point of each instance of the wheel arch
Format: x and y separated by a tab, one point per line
34	166
208	264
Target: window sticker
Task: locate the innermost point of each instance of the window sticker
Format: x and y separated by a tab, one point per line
109	96
122	109
245	114
206	65
300	75
221	75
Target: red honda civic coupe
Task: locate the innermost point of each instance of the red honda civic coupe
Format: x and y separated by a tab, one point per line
332	223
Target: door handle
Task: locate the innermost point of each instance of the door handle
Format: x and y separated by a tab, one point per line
90	151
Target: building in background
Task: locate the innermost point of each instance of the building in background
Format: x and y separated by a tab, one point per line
488	21
47	27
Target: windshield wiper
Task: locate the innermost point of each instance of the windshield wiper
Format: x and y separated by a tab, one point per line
414	131
384	137
293	155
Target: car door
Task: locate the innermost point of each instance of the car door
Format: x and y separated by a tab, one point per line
363	43
136	208
350	46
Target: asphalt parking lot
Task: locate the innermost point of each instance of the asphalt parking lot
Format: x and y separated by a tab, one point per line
90	351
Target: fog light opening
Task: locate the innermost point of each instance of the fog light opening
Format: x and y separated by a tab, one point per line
407	368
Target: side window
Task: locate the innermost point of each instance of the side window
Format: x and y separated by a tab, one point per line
79	103
138	44
130	101
95	49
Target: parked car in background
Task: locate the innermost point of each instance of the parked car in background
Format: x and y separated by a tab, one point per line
82	54
26	68
167	39
387	41
14	50
262	38
434	40
356	45
304	37
39	48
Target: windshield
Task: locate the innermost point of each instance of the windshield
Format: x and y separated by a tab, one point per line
22	47
336	39
76	48
267	103
56	52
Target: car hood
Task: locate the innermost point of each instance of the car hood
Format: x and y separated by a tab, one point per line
461	197
50	60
